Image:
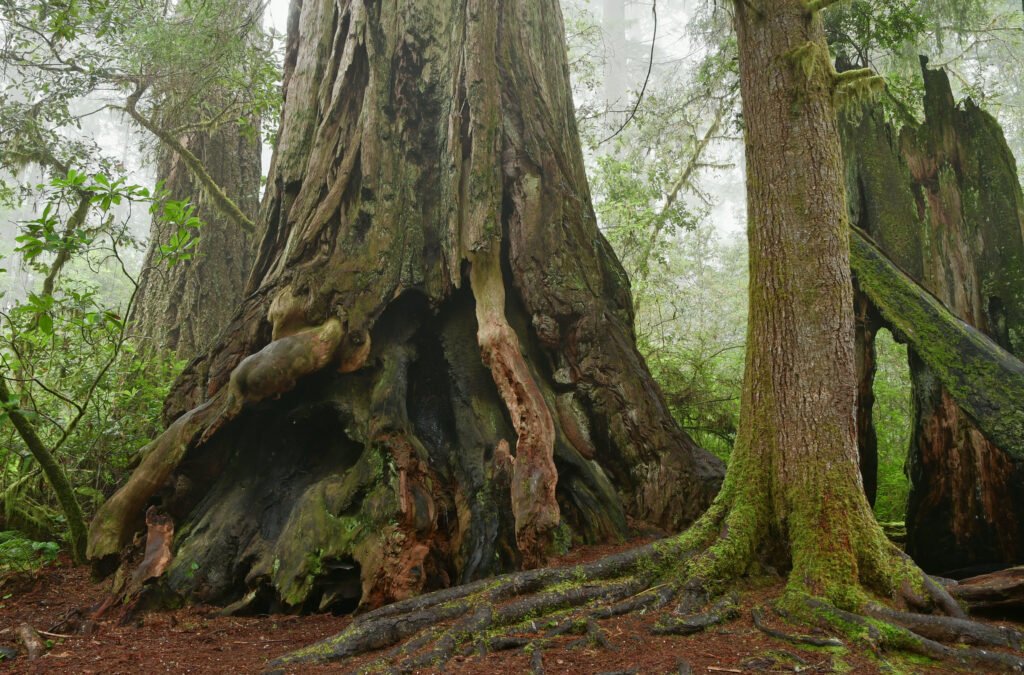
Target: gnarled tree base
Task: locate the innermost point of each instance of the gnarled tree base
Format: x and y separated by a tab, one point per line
434	375
358	489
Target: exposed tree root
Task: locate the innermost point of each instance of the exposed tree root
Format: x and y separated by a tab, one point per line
531	610
950	629
725	609
809	640
298	351
882	634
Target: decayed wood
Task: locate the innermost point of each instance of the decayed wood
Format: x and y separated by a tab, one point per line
999	591
159	537
982	377
533	469
942	200
34	644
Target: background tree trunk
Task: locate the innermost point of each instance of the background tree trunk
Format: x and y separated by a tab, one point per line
442	380
184	307
943	201
616	65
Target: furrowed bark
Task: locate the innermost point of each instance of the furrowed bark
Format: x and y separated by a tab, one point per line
414	203
183	308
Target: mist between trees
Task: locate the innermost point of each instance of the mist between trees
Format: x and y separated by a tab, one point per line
667	186
132	219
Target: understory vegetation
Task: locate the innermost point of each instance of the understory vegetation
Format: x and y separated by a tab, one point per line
89	94
77	389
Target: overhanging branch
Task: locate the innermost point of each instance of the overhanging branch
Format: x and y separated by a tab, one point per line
224	204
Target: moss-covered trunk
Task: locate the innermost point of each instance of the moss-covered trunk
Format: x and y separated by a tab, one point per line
943	201
793	496
434	376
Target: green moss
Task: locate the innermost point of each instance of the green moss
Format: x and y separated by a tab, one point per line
839	665
312	535
562	539
810	58
985	380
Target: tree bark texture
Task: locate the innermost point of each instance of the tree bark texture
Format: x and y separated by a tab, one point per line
434	375
184	307
942	200
793	495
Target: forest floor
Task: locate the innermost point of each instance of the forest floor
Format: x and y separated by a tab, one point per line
197	640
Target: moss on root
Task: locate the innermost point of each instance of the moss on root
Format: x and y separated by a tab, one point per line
530	610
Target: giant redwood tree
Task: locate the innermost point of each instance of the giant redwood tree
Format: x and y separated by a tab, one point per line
433	377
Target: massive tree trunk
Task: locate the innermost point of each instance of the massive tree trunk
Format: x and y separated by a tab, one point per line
943	201
183	308
433	377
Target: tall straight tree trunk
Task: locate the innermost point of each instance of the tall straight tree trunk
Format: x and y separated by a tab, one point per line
434	376
183	308
943	201
793	496
793	477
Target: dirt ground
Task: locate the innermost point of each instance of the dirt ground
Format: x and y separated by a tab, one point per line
196	640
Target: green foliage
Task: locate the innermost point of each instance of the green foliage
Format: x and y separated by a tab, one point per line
20	554
691	327
181	246
978	42
892	416
859	30
74	374
689	292
184	66
689	289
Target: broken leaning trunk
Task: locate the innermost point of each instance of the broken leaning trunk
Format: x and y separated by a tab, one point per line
943	201
434	376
